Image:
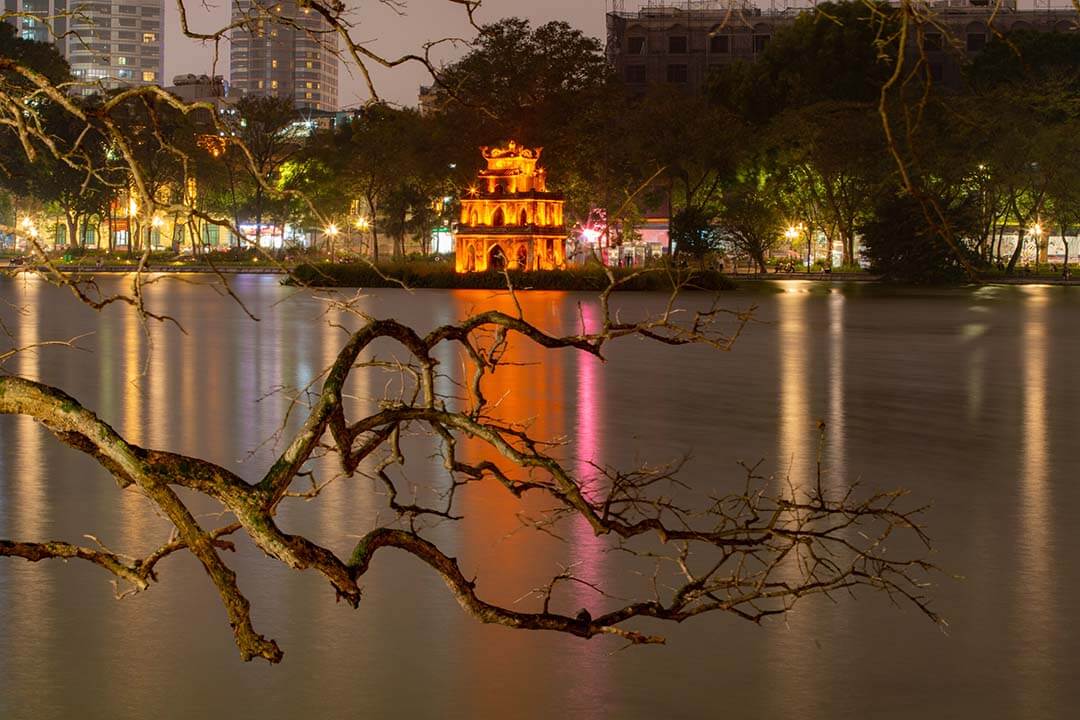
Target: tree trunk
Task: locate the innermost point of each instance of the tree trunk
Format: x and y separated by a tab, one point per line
72	225
258	215
1065	265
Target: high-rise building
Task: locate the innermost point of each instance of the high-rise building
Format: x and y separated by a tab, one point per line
296	57
108	44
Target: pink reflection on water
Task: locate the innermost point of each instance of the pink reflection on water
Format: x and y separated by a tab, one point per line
587	551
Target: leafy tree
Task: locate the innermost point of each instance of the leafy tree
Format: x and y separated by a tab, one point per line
695	156
832	156
266	140
1026	57
752	219
832	52
518	80
694	233
37	57
903	246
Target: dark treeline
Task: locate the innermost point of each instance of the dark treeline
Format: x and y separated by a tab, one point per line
773	153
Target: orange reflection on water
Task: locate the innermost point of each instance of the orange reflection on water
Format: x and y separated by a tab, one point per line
559	393
1035	602
791	645
795	452
29	519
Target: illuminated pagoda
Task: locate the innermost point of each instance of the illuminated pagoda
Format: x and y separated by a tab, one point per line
509	219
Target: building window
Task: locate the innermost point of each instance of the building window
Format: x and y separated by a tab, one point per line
127	22
635	46
676	73
937	73
148	75
121	60
149	37
309	85
124	74
273	84
635	73
307	96
309	65
273	63
676	45
260	84
932	42
976	42
760	41
720	44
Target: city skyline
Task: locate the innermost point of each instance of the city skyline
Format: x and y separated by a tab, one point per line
390	34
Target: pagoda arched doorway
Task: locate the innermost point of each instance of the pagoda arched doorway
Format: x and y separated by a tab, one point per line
522	257
470	259
496	258
498	219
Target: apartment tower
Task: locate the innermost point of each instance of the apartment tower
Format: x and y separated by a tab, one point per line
286	50
107	44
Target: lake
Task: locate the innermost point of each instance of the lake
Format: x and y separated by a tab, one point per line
969	398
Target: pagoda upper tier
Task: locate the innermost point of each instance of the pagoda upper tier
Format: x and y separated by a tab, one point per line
509	219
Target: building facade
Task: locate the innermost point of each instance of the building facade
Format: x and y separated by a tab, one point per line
509	219
680	43
108	44
296	58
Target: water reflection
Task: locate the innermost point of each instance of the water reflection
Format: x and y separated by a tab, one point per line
1010	653
791	645
535	386
1036	608
836	471
29	519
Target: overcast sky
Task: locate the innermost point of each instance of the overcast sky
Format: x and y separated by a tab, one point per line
388	32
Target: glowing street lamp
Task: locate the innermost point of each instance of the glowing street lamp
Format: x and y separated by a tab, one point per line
156	222
331	234
362	223
792	233
1036	231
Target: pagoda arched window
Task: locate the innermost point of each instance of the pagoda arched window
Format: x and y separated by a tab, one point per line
498	219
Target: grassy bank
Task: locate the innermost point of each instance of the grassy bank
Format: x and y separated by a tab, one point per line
442	275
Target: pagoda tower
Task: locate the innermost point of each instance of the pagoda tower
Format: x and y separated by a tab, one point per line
509	219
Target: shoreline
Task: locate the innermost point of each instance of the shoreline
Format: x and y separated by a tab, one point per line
819	277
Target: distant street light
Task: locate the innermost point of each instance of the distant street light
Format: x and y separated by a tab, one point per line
331	233
1036	231
793	232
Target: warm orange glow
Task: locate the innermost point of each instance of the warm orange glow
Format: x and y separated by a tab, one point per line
509	219
213	144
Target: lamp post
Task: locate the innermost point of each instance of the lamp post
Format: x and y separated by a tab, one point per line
29	228
791	233
795	231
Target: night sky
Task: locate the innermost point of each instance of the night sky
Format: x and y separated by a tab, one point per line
388	32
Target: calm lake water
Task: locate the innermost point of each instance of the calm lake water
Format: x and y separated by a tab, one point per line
969	398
